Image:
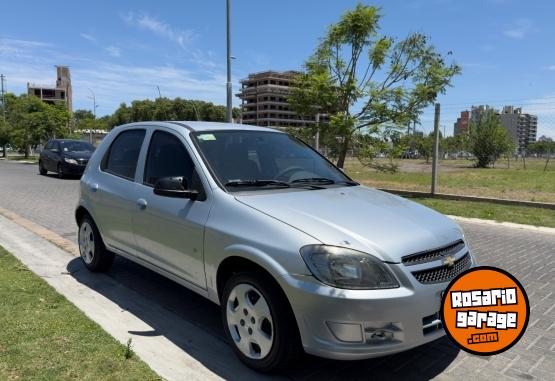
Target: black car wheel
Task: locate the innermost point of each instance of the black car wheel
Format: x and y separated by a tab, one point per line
42	170
60	171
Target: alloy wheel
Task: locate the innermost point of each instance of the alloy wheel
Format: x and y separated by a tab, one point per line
250	321
86	242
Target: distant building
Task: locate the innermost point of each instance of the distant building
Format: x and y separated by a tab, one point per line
473	116
264	100
61	91
462	123
521	127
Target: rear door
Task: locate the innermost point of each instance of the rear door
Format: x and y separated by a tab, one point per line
115	192
170	231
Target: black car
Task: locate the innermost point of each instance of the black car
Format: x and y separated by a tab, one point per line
65	157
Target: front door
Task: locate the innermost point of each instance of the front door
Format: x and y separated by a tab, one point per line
170	231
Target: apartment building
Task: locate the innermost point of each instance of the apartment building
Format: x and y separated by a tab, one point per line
522	127
61	91
264	100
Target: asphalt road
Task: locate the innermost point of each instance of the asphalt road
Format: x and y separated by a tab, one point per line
529	255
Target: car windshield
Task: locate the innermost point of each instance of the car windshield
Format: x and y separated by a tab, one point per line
76	146
259	159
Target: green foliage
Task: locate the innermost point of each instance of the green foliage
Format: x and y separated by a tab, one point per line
543	146
5	135
168	109
488	140
389	80
33	121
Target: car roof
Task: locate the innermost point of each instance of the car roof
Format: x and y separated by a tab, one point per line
210	126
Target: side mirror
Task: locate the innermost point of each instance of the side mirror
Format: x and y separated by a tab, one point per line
175	187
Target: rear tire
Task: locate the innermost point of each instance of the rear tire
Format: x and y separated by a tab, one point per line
94	254
259	323
42	170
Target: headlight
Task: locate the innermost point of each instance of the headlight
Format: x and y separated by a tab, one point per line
70	161
345	268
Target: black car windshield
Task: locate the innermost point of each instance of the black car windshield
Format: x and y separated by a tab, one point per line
259	160
76	146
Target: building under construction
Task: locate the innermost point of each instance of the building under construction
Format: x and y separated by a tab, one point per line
264	100
61	91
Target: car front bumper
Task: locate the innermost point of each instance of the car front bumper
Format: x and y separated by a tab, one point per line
73	169
358	324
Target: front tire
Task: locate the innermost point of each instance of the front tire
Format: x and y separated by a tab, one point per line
259	323
93	252
60	171
42	170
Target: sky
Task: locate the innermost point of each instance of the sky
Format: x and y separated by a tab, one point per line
122	50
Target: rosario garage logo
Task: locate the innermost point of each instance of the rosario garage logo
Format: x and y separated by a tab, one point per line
485	310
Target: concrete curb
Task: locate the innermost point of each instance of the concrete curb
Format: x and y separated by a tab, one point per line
537	229
42	232
449	196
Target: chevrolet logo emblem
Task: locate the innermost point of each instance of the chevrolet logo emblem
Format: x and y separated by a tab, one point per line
449	261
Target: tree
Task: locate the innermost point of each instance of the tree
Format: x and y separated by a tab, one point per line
386	79
488	140
33	121
168	109
5	135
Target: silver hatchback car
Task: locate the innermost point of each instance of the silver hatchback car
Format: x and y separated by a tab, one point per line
299	256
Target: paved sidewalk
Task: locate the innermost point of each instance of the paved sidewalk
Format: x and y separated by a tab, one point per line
529	255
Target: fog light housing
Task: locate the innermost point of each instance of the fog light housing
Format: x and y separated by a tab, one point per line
346	332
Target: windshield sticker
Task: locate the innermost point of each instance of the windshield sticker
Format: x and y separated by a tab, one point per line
206	137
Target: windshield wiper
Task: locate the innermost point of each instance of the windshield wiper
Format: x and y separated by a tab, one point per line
256	183
319	180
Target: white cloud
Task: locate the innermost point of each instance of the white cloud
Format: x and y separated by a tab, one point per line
160	28
112	83
87	37
520	29
114	51
551	67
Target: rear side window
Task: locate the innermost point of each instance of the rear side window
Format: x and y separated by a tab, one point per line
121	159
167	157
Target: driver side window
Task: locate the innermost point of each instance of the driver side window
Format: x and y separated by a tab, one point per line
167	157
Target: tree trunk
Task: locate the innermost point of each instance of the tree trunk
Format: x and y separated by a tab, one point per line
547	161
27	152
343	153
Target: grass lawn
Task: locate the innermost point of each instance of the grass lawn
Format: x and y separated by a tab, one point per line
45	337
488	211
460	177
21	158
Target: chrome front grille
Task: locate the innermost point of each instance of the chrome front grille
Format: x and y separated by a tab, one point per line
443	273
433	255
83	161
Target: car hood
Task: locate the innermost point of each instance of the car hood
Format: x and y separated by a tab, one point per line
78	154
359	218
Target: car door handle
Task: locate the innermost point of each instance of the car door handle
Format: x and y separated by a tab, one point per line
141	203
93	187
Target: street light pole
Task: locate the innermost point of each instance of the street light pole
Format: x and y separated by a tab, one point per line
229	89
94	116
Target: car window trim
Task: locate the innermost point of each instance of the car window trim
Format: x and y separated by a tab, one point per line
106	156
